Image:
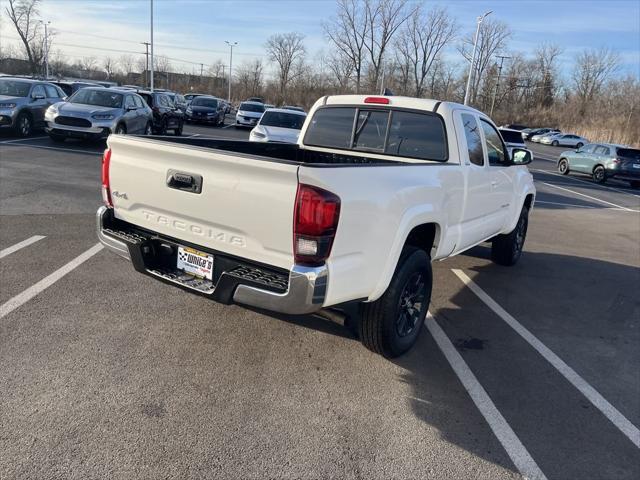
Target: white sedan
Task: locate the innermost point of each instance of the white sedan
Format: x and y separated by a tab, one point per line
278	125
565	140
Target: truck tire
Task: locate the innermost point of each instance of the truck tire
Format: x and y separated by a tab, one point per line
506	249
391	325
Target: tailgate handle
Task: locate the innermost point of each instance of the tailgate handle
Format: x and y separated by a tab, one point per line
187	182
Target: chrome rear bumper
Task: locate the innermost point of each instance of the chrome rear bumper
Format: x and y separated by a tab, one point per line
305	291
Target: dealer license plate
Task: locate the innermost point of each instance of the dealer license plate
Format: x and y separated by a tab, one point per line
636	165
196	263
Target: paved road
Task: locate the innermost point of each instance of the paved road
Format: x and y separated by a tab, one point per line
109	374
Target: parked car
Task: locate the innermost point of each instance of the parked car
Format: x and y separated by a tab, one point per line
255	99
249	113
292	107
564	139
23	103
512	139
536	134
71	87
166	115
96	112
514	126
375	190
278	125
178	100
268	106
603	161
206	109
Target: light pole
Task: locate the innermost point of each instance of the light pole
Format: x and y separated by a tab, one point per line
495	93
151	72
231	45
473	57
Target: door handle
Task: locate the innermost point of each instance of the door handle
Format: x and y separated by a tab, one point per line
184	181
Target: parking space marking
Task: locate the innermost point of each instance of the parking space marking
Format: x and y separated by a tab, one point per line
22	298
579	206
590	197
18	246
67	150
591	184
598	401
228	126
517	452
24	139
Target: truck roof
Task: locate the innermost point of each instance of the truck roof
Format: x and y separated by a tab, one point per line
394	101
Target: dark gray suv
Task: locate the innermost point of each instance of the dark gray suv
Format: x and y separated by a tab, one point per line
23	103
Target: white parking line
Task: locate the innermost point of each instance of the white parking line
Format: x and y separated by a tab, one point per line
18	246
77	150
573	205
590	197
24	139
598	401
584	181
518	454
229	126
22	298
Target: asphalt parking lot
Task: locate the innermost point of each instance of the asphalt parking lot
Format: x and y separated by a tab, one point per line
109	374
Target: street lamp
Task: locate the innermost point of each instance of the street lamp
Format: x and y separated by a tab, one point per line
473	56
231	45
151	72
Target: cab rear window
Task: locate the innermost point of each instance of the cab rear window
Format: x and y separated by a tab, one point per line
402	133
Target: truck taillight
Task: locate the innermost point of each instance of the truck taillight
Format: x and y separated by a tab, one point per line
106	186
314	225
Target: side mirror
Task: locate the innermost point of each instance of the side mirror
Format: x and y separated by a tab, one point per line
520	156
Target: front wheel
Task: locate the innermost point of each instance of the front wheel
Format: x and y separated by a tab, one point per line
599	174
178	130
148	130
506	249
24	125
563	166
579	145
555	143
391	325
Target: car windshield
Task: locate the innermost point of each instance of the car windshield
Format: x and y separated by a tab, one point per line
632	153
205	102
13	88
283	120
101	98
251	107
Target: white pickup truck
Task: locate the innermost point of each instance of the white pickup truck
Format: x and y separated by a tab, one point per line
376	189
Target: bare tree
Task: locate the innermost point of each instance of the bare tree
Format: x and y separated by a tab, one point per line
348	31
110	66
286	50
341	66
127	63
384	18
421	41
88	64
492	39
25	17
593	68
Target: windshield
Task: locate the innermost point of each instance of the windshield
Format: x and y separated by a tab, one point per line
283	120
12	88
204	102
101	98
251	107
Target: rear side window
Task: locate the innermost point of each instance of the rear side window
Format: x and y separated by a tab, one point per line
52	92
390	132
138	101
331	127
510	136
474	141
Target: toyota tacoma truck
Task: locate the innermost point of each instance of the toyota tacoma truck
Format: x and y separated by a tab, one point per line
376	188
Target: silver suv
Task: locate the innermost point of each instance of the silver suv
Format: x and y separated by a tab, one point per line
96	112
23	103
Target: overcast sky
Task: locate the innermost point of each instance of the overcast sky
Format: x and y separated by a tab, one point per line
195	30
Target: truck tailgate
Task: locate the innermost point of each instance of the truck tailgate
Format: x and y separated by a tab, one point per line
244	207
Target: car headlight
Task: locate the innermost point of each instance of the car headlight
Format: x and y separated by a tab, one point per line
7	105
103	116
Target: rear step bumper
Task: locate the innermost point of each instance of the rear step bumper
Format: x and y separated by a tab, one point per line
299	291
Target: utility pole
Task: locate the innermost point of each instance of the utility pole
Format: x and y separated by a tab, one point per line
151	46
201	70
231	45
495	92
46	50
146	68
473	57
